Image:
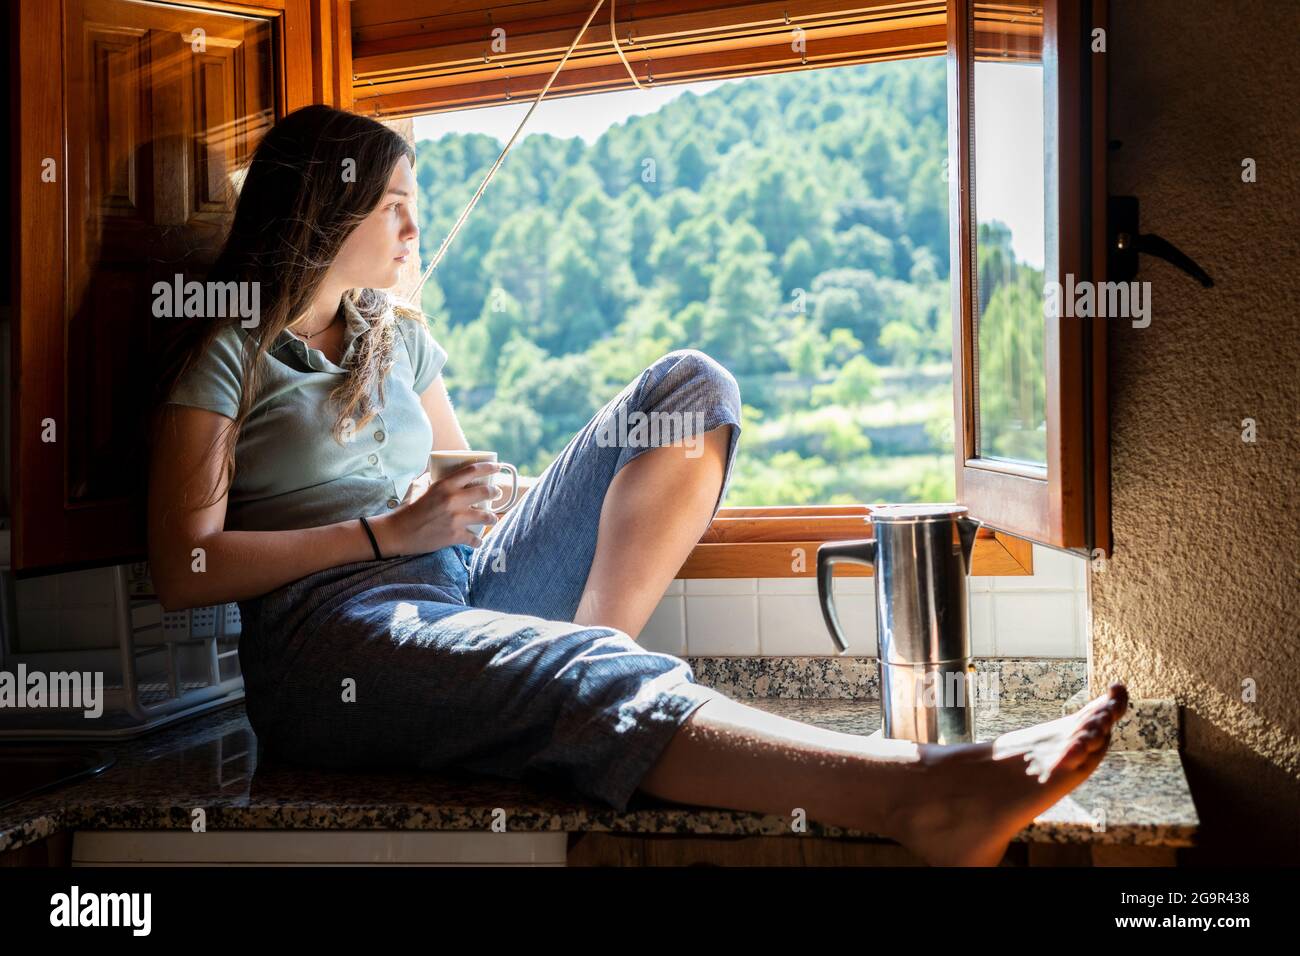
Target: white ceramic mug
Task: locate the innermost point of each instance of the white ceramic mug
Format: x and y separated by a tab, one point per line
443	463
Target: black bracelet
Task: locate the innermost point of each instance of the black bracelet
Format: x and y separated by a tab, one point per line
373	543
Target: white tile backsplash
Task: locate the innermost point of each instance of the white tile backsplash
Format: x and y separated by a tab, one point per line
721	625
1029	624
1053	570
665	632
73	610
981	624
791	585
88	588
789	625
1039	615
858	618
855	584
721	586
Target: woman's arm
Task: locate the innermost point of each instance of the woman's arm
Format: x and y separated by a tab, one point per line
447	433
228	565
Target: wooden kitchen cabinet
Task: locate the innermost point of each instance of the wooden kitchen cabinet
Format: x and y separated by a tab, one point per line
631	849
53	851
131	121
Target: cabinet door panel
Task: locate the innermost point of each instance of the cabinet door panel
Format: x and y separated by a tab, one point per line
160	140
130	180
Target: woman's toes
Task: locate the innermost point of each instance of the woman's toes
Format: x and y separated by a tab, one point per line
1089	716
1076	752
1097	741
1078	743
1091	734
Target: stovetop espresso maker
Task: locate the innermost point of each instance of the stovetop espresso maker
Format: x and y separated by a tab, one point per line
920	556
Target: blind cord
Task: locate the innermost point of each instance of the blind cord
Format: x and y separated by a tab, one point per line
455	229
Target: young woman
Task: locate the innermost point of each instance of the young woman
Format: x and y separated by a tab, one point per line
427	648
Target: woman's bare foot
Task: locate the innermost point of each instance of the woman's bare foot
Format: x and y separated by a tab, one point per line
961	805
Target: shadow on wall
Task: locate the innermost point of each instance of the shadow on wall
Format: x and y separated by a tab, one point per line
1199	602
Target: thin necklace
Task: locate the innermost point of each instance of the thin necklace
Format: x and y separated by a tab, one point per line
308	338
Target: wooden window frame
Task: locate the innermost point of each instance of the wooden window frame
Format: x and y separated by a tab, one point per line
782	542
399	72
393	69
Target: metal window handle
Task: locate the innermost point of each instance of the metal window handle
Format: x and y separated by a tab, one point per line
1126	243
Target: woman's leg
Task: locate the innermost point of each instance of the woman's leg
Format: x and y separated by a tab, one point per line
953	805
660	451
675	740
634	511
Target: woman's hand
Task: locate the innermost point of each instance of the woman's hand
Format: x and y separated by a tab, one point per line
436	514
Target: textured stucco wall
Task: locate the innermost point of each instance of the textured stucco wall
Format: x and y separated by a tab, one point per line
1201	593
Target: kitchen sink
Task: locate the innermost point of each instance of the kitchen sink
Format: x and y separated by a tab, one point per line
30	769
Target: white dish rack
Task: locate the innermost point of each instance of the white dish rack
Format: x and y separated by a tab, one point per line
143	698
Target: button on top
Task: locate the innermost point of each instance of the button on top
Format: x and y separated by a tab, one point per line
392	502
379	436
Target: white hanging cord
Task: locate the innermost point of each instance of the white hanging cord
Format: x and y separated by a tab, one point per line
613	35
433	263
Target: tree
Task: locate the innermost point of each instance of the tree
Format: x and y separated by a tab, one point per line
884	216
806	351
645	222
515	433
692	321
739	329
576	181
473	349
517	261
644	336
434	306
556	389
854	385
926	215
1012	379
679	206
575	316
689	166
864	313
798	266
861	247
598	223
781	203
684	259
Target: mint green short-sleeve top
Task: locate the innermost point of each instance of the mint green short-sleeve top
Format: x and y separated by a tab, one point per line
290	472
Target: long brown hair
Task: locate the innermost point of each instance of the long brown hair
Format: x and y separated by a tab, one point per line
295	209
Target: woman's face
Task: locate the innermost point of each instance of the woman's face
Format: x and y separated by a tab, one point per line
373	255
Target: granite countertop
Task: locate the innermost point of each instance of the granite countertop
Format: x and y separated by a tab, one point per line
1138	796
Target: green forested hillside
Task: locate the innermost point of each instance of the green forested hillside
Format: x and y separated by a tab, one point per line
793	227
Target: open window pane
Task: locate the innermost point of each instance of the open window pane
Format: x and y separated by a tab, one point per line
1007	110
629	224
1026	93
